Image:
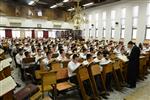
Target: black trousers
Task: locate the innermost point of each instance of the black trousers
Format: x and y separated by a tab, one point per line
22	72
108	81
99	83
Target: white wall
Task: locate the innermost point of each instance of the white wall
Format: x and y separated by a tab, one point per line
5	21
117	6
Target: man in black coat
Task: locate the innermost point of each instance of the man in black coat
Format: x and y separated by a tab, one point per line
133	64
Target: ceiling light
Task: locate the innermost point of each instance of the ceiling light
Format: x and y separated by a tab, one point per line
31	3
65	0
71	9
88	4
54	6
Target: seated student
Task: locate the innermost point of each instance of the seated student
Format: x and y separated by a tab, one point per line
89	59
62	56
83	53
54	48
104	61
27	54
45	50
117	50
74	51
38	56
99	57
27	47
48	59
72	66
97	77
146	47
33	51
92	52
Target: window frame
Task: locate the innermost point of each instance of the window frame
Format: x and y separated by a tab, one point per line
147	27
111	33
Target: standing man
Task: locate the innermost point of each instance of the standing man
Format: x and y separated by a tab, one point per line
133	64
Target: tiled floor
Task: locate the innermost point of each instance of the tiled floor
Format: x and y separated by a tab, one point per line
142	91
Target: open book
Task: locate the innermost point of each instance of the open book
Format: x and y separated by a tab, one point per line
5	63
7	85
1	51
123	58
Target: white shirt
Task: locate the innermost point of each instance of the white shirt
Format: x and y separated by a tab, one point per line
72	67
19	58
60	58
37	57
82	55
46	61
117	51
104	61
65	49
97	60
27	49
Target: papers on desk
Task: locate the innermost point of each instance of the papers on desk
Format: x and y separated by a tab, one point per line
5	63
123	58
105	62
7	85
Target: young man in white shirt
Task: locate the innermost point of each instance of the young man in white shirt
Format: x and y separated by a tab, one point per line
98	79
83	53
39	56
72	66
89	59
48	59
62	56
19	58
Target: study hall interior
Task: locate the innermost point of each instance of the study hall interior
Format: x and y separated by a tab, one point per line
74	49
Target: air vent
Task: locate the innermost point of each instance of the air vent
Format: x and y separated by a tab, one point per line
57	25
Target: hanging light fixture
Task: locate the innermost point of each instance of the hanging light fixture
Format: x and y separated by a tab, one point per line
79	17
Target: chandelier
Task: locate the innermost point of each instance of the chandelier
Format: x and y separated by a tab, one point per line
78	18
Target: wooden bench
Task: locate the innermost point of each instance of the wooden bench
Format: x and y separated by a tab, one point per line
94	70
83	75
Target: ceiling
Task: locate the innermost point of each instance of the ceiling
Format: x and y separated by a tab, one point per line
62	5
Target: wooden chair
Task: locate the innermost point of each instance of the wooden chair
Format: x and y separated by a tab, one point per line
141	67
56	65
26	65
147	63
28	60
117	69
62	81
123	66
49	82
109	69
94	70
42	69
83	75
